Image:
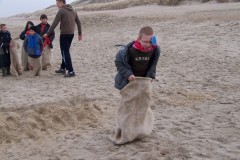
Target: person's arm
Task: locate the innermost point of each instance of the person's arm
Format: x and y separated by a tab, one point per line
152	70
121	68
1	43
55	22
52	36
7	41
77	20
22	35
41	43
25	43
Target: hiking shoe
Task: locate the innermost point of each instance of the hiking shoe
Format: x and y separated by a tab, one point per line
69	74
62	71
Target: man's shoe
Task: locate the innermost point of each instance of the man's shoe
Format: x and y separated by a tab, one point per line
61	71
69	74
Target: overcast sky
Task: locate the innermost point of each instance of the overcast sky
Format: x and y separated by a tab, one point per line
13	7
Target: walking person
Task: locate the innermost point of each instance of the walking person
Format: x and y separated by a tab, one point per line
67	17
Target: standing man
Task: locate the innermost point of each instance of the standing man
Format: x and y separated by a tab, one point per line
67	18
43	28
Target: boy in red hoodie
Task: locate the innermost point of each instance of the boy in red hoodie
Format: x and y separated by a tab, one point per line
43	28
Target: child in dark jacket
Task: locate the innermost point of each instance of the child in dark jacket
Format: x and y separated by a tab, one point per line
22	36
33	46
43	28
5	39
137	59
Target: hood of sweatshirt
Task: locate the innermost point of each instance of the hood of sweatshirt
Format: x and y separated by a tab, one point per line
68	7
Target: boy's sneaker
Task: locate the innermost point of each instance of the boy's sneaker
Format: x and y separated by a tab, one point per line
69	74
61	71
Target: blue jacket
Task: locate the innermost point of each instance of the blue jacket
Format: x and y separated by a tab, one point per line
31	52
124	69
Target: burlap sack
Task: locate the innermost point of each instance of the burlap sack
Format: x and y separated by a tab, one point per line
15	65
24	58
35	65
46	57
134	116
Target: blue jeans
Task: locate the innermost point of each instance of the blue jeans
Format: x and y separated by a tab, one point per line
65	44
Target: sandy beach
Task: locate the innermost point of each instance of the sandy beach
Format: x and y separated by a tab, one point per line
196	102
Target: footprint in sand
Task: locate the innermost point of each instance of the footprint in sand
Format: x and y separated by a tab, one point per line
57	120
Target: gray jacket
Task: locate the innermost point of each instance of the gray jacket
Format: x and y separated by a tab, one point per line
124	69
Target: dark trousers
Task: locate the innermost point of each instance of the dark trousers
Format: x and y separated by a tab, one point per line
65	44
5	60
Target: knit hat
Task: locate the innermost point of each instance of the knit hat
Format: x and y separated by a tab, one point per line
34	28
43	16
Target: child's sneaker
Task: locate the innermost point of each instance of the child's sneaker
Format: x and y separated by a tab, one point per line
62	71
69	74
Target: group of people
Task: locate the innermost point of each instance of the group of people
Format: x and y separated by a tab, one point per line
38	42
138	59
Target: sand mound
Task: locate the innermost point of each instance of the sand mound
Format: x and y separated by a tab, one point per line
46	119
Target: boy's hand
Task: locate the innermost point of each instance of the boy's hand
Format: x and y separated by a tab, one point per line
45	35
131	78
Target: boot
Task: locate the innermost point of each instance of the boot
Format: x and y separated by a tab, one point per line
4	71
8	71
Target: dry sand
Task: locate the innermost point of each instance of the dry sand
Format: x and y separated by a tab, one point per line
196	102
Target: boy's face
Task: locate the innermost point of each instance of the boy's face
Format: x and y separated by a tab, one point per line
44	21
59	4
145	40
4	28
32	32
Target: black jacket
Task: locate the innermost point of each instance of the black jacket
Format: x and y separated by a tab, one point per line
124	69
22	35
51	36
5	39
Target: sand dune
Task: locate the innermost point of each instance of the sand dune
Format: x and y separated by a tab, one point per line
195	103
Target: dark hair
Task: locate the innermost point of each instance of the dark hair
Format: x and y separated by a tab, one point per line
2	25
29	22
43	16
63	1
34	28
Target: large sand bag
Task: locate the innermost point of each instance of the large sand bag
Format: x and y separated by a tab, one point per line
15	65
35	64
134	116
46	57
24	58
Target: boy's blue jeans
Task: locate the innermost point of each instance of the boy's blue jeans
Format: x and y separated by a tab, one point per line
65	44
